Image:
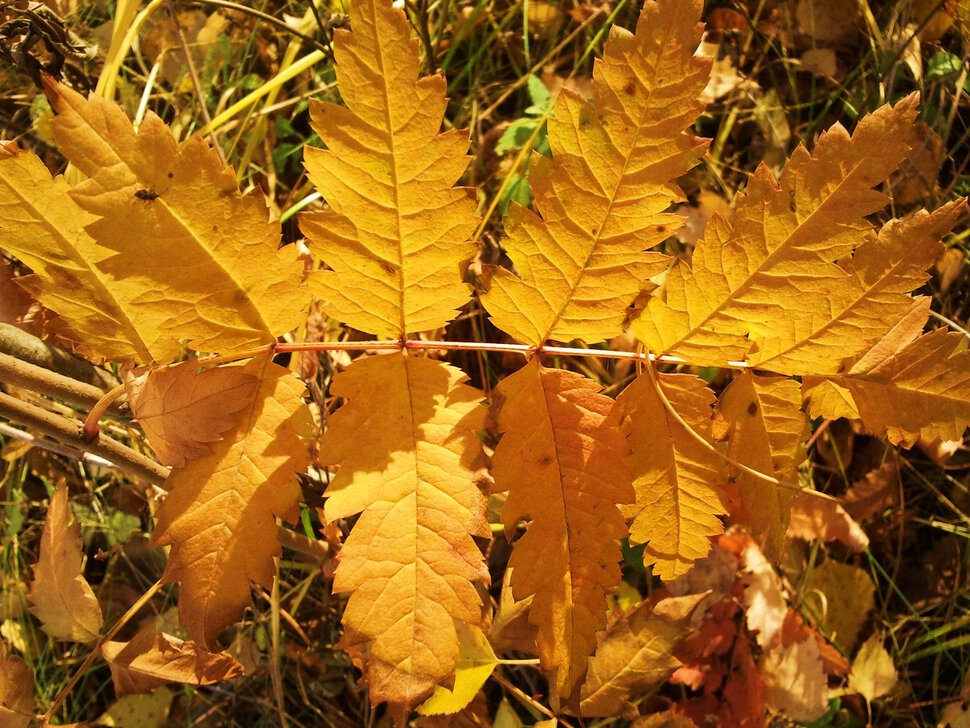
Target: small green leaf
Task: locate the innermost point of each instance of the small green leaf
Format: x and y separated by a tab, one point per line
539	95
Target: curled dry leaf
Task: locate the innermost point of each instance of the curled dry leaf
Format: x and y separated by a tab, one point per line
153	658
60	596
182	408
764	597
877	490
840	597
634	655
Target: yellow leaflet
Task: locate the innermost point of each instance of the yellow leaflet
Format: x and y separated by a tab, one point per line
676	478
868	301
561	458
397	231
476	661
601	199
188	256
43	227
921	391
769	266
766	431
220	516
410	464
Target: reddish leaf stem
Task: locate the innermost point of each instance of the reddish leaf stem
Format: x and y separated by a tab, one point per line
91	430
524	349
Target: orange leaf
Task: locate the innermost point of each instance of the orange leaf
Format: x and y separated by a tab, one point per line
675	476
877	490
635	655
561	458
410	465
766	432
182	408
602	198
151	658
61	598
220	515
922	392
49	236
767	270
813	518
16	691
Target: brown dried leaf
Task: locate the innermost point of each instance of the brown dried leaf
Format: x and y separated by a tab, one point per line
182	408
634	655
153	658
870	495
16	691
62	600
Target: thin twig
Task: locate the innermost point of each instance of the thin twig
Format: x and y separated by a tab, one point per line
90	429
28	349
96	652
69	432
37	379
524	349
282	25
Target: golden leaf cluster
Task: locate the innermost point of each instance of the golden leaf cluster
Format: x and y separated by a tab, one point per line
156	256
